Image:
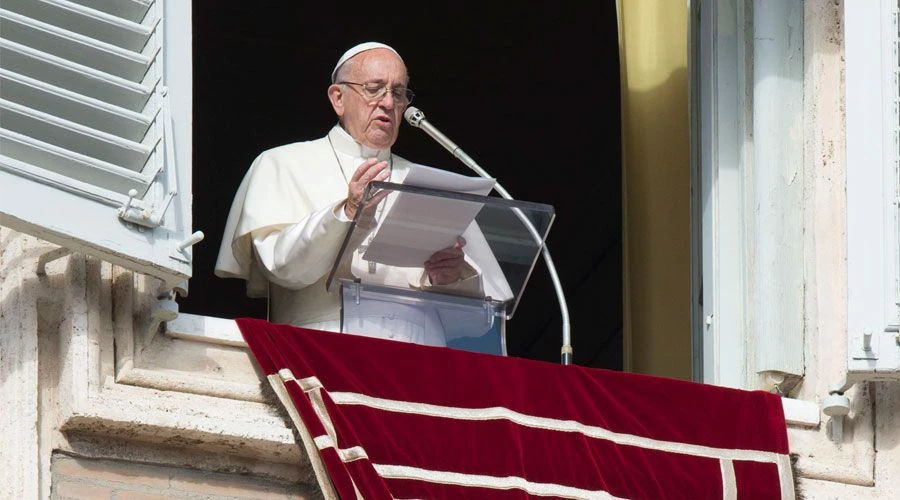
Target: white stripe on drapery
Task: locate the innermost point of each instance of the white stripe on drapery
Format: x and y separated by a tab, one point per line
346	454
786	475
726	457
484	481
729	482
500	413
315	459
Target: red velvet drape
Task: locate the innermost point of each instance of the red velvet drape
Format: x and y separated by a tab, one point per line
397	420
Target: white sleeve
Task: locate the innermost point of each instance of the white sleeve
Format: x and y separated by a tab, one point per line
302	253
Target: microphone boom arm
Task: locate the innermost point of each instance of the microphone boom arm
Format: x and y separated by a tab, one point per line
416	118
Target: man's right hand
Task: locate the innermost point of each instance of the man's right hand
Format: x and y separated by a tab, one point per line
370	170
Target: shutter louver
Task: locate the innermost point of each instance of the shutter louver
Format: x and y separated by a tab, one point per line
84	113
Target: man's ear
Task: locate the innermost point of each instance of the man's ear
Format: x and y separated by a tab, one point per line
336	96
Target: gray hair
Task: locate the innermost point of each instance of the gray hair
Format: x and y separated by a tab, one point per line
343	71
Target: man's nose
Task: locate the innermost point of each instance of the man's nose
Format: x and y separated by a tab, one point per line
387	100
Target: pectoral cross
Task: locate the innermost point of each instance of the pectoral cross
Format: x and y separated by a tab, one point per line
362	250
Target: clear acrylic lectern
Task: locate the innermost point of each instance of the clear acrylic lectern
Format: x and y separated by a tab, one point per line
380	275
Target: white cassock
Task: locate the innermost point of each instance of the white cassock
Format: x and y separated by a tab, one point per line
285	229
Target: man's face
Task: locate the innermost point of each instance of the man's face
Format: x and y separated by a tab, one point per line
373	123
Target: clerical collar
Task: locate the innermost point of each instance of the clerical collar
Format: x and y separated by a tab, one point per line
346	144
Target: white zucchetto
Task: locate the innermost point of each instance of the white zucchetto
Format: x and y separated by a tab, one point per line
356	50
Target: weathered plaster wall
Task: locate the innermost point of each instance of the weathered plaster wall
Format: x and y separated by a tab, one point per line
85	371
866	464
20	449
77	477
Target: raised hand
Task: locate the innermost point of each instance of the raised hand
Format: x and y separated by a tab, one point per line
370	170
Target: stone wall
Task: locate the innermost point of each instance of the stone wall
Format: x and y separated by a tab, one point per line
90	382
79	478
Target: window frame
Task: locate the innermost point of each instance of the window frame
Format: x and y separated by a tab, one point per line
746	337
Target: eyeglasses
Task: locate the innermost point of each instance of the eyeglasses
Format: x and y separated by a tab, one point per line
374	92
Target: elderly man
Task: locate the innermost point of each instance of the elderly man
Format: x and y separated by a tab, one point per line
296	202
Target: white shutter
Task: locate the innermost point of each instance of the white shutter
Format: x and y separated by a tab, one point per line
892	174
748	96
873	187
720	131
95	96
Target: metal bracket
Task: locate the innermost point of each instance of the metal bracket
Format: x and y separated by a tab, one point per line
866	352
149	218
895	329
488	312
56	253
164	309
152	217
180	252
836	405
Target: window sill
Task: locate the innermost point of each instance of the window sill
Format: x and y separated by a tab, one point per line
223	331
208	329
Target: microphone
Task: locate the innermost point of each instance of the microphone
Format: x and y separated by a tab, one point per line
415	117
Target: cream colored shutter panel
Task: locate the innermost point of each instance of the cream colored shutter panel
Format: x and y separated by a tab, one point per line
88	132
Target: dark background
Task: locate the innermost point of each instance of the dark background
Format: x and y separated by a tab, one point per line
530	91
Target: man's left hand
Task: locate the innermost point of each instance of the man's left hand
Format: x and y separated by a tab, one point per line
446	266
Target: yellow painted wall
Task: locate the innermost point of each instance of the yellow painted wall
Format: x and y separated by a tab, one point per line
653	49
